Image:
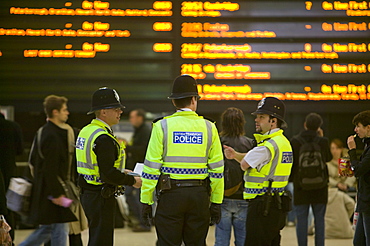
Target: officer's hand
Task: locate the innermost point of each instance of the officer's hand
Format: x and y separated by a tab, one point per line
229	152
147	214
138	182
215	211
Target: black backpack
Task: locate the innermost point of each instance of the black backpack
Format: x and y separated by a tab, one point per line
312	170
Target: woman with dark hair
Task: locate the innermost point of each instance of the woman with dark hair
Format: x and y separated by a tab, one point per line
233	207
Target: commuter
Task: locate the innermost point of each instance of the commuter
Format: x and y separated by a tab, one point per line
100	164
184	158
361	169
267	169
51	157
136	151
11	145
315	195
341	182
339	211
3	208
233	207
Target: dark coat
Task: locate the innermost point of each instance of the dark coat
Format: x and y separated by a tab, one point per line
54	148
3	208
362	173
309	196
137	150
11	144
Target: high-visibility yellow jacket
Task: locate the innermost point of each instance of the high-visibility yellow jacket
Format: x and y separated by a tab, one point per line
87	164
185	146
278	168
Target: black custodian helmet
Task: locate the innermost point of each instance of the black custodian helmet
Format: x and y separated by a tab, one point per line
184	86
273	107
105	98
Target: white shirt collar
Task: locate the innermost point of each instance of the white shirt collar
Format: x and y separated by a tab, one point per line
184	109
105	124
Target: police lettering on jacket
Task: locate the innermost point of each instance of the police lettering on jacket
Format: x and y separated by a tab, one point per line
188	137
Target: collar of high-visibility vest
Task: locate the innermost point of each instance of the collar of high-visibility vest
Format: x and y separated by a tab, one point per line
260	138
106	125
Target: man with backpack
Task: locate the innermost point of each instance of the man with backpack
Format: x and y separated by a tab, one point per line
310	178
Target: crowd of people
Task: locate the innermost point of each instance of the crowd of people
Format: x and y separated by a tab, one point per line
195	174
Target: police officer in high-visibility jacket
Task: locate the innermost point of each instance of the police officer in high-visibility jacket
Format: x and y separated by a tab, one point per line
185	159
267	169
100	164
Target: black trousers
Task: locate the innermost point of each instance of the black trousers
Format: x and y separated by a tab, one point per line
100	216
183	216
264	230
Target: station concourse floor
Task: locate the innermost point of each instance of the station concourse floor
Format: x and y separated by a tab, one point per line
125	236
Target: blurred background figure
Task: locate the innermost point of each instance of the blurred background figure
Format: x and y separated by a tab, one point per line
233	207
335	181
136	150
338	215
340	205
11	145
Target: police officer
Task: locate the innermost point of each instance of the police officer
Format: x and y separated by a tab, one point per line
267	169
100	164
184	152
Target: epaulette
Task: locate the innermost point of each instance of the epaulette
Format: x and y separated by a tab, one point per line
209	119
158	119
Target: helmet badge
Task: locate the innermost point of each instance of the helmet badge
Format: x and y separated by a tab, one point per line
116	95
261	103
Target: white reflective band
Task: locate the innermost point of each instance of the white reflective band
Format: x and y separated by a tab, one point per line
216	164
263	179
209	139
165	136
275	161
151	164
185	159
88	147
86	165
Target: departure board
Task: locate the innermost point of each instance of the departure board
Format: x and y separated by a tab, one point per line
237	50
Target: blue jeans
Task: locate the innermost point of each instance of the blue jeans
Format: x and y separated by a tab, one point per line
302	223
56	233
233	214
362	233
